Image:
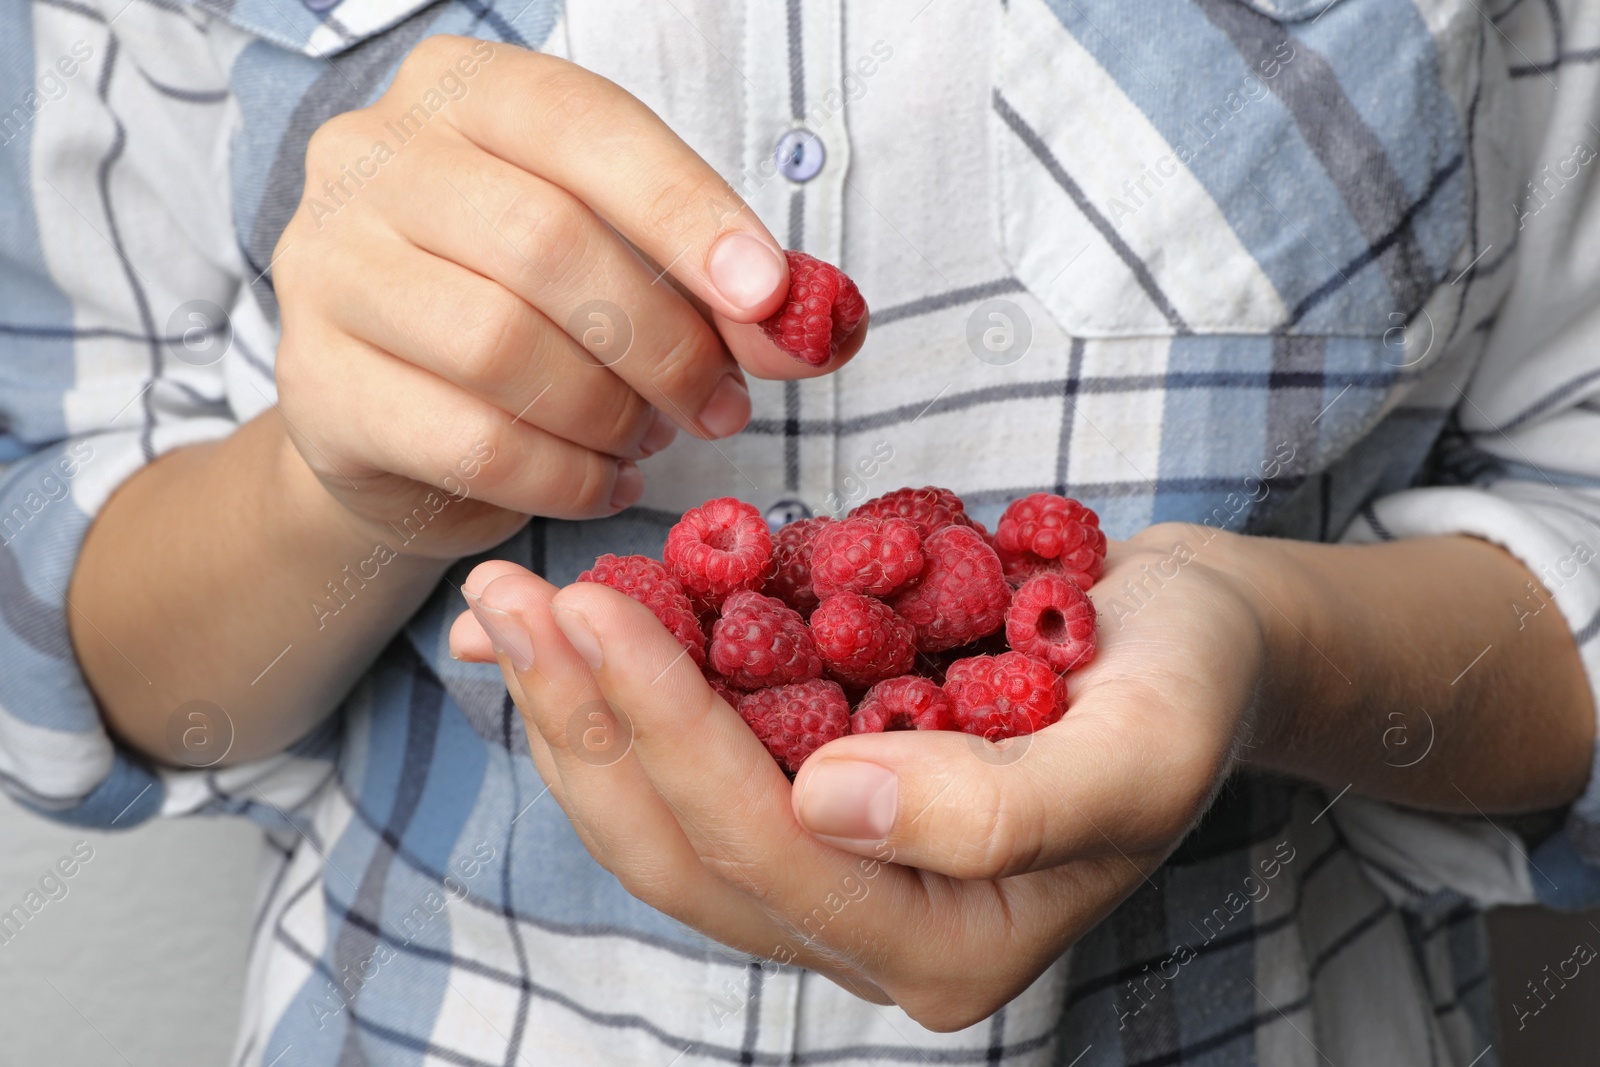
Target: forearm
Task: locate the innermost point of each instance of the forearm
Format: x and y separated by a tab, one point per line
1418	671
206	577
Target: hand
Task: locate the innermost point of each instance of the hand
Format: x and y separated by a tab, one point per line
934	870
438	284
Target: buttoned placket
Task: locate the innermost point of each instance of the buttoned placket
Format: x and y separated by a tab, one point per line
797	156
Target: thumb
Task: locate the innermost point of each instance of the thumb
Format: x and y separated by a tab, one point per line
962	806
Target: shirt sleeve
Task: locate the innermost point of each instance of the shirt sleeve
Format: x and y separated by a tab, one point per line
1530	483
1519	466
125	332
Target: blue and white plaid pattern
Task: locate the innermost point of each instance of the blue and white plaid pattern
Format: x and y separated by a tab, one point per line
1263	253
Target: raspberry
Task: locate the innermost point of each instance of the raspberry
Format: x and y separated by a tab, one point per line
1052	619
718	547
1004	695
822	309
875	556
1022	566
761	641
908	703
862	640
962	595
791	563
648	582
1043	526
794	721
928	509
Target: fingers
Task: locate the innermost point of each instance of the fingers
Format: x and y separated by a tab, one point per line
475	334
468	640
586	135
628	826
519	467
727	796
1095	784
547	247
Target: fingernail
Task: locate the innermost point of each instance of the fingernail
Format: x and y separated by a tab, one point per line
728	410
629	486
745	270
506	634
579	636
850	800
662	432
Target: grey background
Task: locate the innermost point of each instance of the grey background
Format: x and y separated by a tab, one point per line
141	964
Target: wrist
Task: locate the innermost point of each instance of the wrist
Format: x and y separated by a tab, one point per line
1295	681
317	515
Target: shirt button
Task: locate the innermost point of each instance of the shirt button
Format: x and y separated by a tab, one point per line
784	512
800	155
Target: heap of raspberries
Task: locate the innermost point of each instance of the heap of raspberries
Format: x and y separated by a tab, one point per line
903	615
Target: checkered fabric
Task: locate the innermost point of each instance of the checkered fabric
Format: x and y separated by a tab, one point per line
1236	262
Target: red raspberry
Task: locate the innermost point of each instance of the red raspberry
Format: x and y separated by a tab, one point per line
1043	526
1004	695
862	640
791	563
718	547
875	556
794	721
761	641
1052	619
823	309
928	509
962	595
1019	568
908	703
648	582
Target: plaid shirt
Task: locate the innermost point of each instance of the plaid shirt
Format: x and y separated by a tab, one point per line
1313	268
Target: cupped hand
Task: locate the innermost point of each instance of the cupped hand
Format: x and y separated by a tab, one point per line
508	281
935	870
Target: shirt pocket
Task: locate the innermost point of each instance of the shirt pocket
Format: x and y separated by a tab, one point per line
1230	166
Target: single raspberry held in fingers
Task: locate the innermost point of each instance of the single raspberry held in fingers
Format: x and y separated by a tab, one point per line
873	556
862	640
648	582
1005	695
962	594
791	563
928	509
718	547
908	703
823	309
794	721
1044	526
761	641
1051	618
